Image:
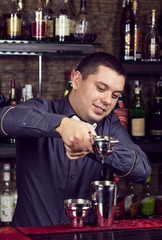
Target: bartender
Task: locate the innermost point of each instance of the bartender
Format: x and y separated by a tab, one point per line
54	156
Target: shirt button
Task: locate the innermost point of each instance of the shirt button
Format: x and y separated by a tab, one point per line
46	127
24	124
72	176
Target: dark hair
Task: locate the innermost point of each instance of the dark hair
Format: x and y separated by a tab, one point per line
89	65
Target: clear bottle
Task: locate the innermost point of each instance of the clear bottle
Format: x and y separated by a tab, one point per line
155	117
28	91
127	33
131	203
12	26
50	16
147	203
152	41
119	209
70	79
7	200
62	25
39	23
121	111
137	33
137	114
84	29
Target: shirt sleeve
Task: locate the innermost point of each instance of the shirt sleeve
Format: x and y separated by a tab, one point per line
33	118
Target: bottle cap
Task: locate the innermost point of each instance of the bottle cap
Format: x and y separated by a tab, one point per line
6	166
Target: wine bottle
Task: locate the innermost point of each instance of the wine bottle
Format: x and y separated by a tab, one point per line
50	16
155	117
137	33
152	41
62	25
137	114
39	23
12	28
6	199
70	79
127	33
84	30
121	111
12	93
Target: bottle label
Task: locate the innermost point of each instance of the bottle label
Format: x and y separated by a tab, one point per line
137	43
122	114
50	29
119	210
138	127
7	208
62	26
135	209
6	176
14	25
39	29
129	42
153	51
148	206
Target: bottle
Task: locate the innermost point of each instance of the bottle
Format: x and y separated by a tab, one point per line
155	117
12	27
158	202
50	16
13	187
152	41
119	209
28	91
12	95
39	23
84	30
137	33
137	114
121	111
23	97
127	33
147	203
7	201
131	203
70	79
62	25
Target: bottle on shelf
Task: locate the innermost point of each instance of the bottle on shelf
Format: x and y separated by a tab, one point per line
137	114
155	117
12	93
23	91
28	91
137	33
152	41
84	29
119	209
131	203
39	23
121	111
62	25
70	79
127	32
50	16
12	26
147	203
6	199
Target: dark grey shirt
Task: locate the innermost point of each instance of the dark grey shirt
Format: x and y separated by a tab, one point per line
45	176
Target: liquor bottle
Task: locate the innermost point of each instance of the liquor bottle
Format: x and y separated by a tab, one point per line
152	41
147	203
137	114
131	203
39	23
12	27
23	91
50	16
28	91
7	200
127	33
62	25
70	79
84	30
12	95
121	111
155	117
137	33
119	209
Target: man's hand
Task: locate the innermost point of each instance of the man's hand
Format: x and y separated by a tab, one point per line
77	137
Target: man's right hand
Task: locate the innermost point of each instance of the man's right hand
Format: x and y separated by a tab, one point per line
77	137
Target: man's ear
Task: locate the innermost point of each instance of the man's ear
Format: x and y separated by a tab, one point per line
77	79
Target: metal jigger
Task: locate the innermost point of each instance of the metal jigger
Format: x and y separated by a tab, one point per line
77	210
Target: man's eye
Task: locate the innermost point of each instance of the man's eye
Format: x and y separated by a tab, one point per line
101	89
115	96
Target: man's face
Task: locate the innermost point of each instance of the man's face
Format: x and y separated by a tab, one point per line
95	97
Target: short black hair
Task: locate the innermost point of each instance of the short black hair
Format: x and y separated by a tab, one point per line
89	64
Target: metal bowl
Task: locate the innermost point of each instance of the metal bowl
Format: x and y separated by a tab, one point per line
77	210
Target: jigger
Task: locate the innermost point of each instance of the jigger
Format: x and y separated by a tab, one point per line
77	210
104	145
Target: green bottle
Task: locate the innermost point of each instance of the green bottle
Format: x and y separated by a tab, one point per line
137	114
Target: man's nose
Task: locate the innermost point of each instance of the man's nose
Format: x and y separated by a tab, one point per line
106	98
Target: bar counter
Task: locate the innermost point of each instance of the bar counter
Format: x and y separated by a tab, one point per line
139	229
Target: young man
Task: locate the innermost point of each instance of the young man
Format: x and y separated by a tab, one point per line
54	157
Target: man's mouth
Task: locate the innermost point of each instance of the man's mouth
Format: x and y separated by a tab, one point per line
99	110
